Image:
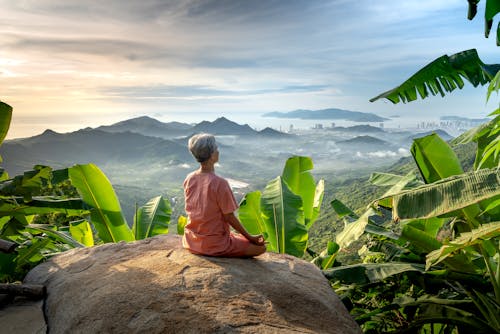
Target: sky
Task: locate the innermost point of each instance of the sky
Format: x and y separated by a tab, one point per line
67	64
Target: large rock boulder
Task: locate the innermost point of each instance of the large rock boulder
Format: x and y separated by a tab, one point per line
155	286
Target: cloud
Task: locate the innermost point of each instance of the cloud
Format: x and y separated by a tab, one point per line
401	152
166	91
289	54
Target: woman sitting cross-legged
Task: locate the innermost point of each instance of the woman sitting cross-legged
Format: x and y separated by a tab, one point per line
210	206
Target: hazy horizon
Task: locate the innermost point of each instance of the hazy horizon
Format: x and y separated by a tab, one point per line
256	121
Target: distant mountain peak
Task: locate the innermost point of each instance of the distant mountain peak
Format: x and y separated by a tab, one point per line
49	132
223	126
270	132
140	119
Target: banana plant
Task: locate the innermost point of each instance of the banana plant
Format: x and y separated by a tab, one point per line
449	200
286	209
152	218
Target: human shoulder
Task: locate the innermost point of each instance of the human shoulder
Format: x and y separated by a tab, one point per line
190	176
220	181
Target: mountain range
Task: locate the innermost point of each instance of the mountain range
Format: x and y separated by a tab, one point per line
331	114
136	141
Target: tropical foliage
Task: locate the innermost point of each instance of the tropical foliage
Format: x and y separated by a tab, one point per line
286	209
92	217
432	262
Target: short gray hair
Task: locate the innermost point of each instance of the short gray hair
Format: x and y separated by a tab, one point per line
202	146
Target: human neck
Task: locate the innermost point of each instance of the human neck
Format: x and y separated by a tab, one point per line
207	167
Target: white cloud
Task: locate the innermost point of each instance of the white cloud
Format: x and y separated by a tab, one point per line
65	56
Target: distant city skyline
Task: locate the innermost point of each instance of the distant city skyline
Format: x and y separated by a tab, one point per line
66	65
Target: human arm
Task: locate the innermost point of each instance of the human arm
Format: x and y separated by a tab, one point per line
231	219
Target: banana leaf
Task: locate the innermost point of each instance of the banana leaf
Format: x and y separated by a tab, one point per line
436	160
250	214
31	182
440	313
466	239
403	183
327	257
370	272
342	210
54	234
10	206
81	231
388	179
5	118
31	253
426	243
181	223
447	195
352	231
443	75
105	213
299	179
491	9
152	218
283	218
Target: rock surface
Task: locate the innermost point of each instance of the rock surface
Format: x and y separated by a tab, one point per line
23	316
155	286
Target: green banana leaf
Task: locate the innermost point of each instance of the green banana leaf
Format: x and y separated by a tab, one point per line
10	206
435	158
387	179
32	253
181	223
327	257
342	210
442	75
81	231
5	118
152	218
445	196
319	193
352	231
419	239
488	307
365	273
491	9
283	218
96	190
299	179
440	313
426	243
487	139
54	234
402	183
430	226
466	239
250	214
28	184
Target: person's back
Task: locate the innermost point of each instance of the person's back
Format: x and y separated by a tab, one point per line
207	200
210	206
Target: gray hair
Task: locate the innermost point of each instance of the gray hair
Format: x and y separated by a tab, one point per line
202	146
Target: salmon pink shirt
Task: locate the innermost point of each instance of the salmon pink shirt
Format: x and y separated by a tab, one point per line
208	198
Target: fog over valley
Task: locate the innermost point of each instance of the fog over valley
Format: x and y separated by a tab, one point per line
144	157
